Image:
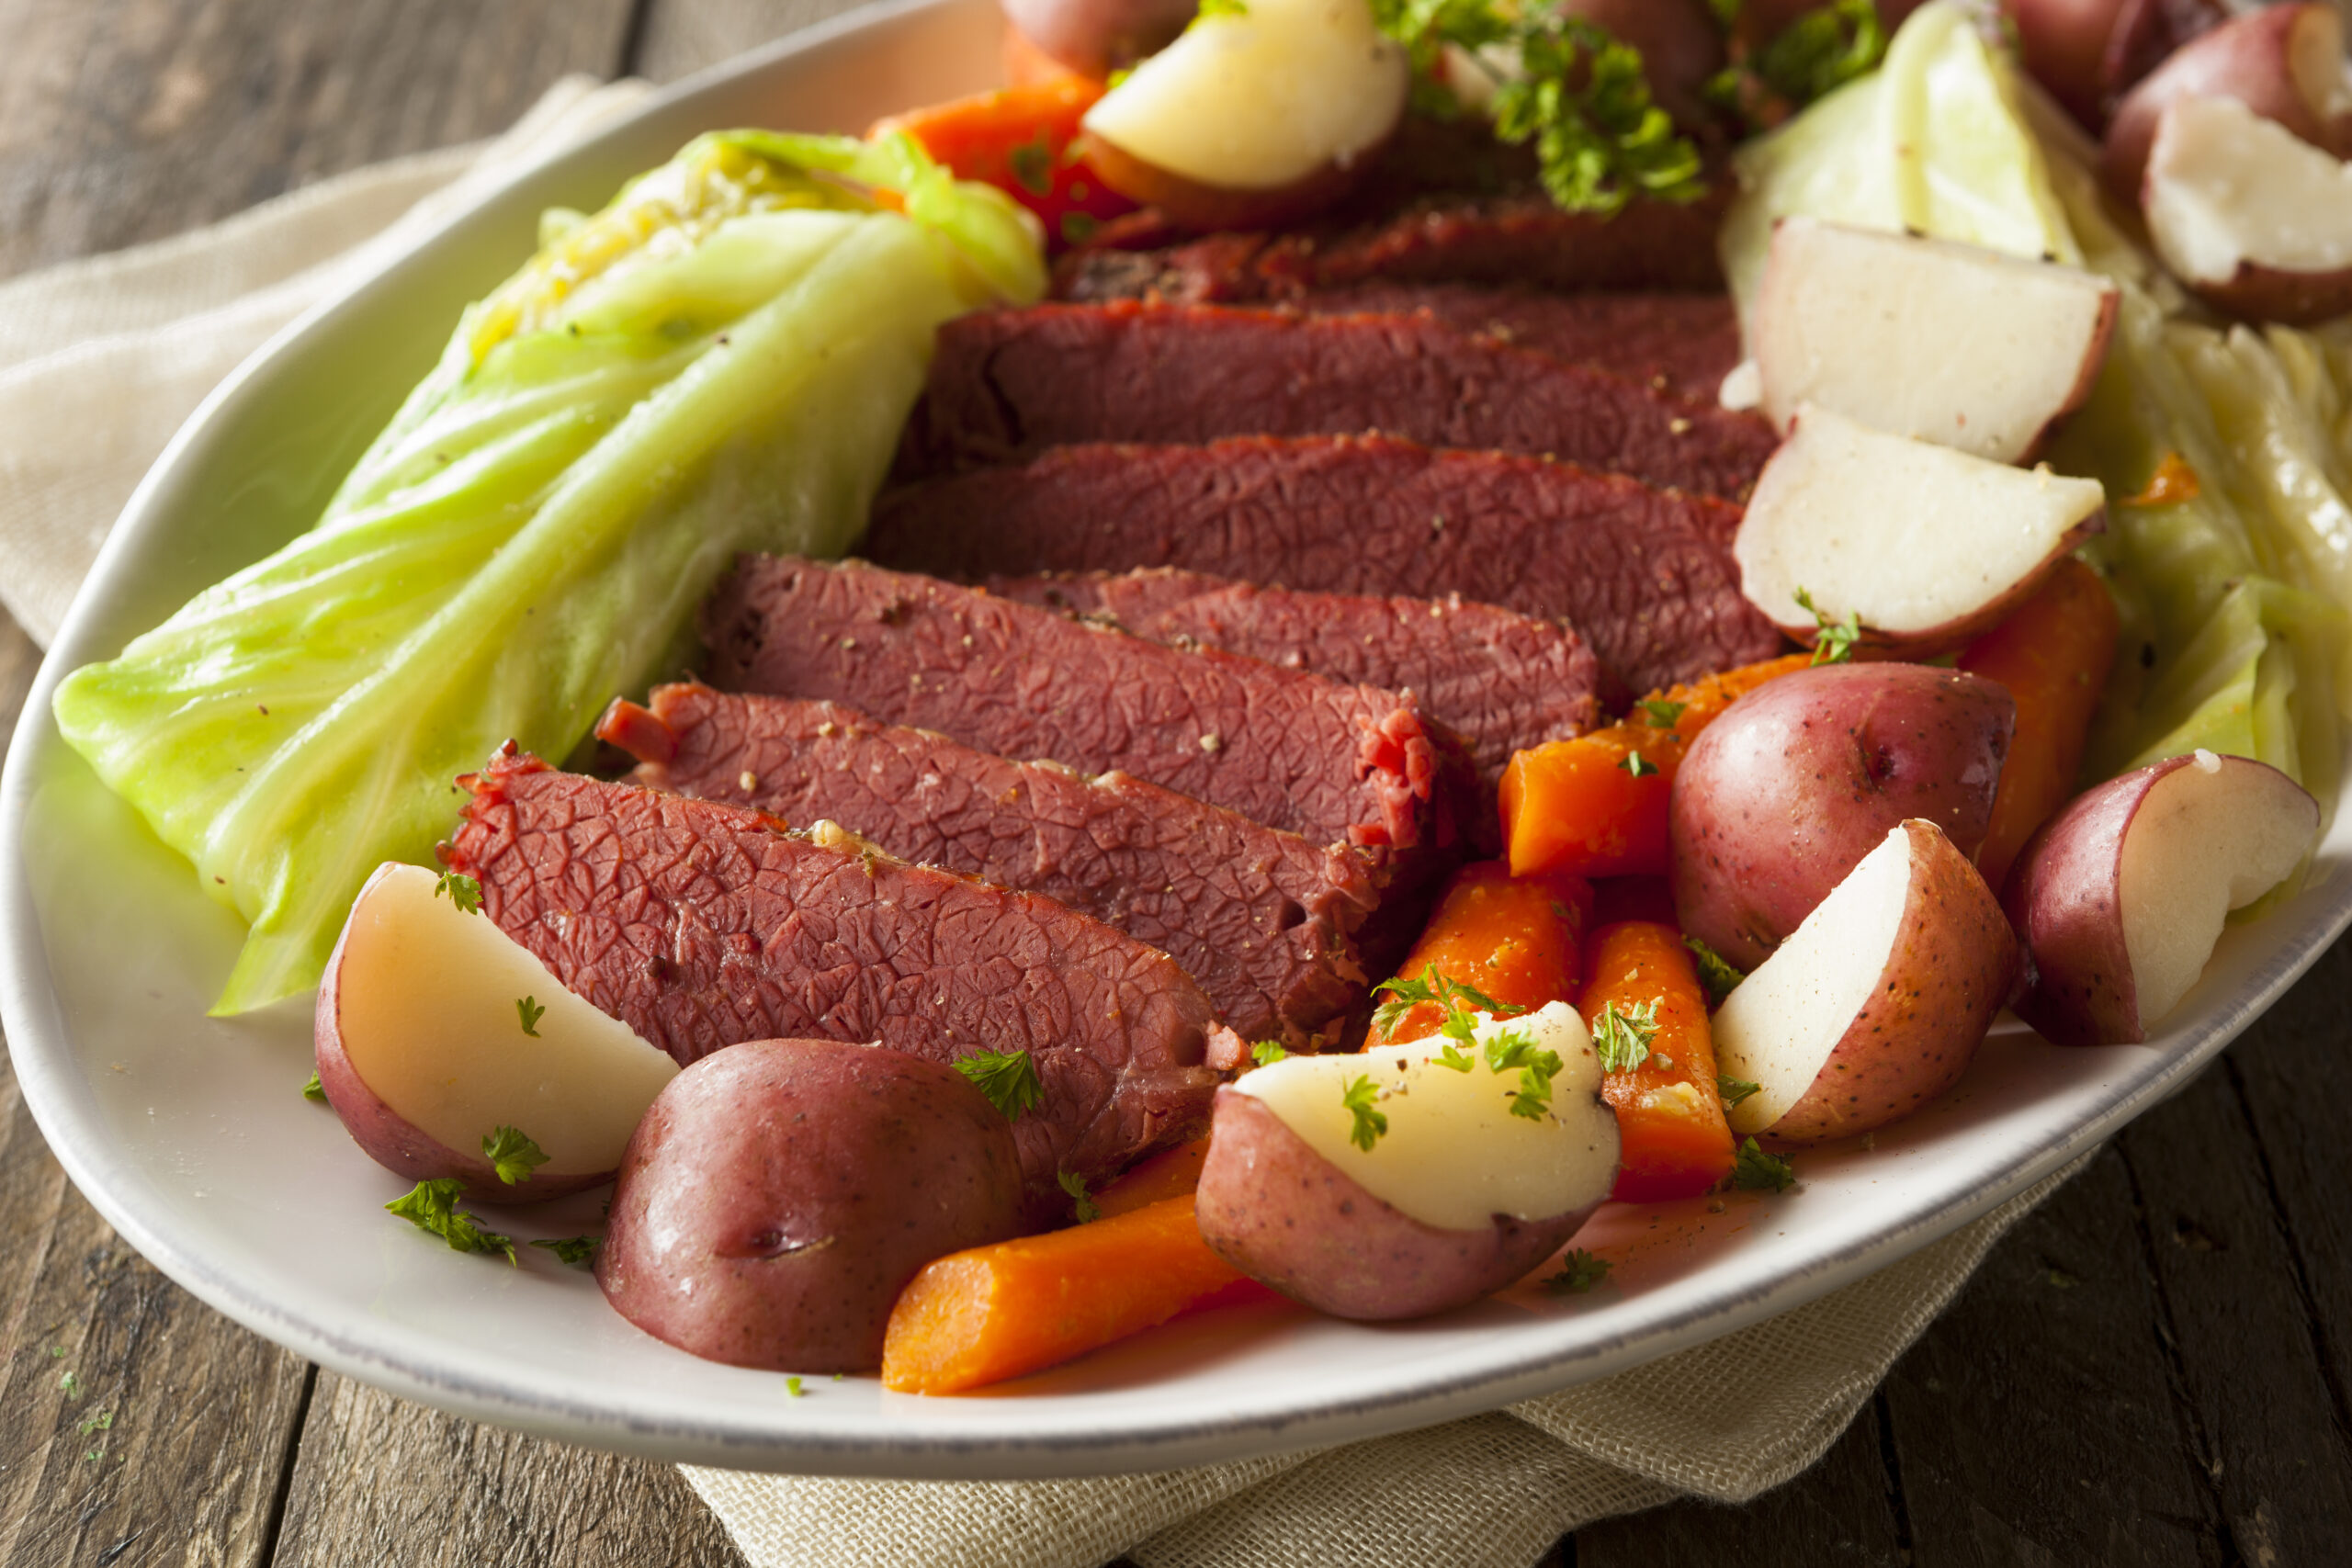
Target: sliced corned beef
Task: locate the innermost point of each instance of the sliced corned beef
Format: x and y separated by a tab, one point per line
702	926
1646	576
1006	385
1333	763
1500	680
1265	920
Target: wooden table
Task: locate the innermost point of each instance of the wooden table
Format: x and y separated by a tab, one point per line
2150	1370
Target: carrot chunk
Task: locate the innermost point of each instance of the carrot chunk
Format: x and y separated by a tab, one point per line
1020	139
2053	653
1596	806
1514	939
1170	1173
1669	1112
992	1313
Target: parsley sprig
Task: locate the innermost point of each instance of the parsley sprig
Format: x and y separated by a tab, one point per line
1814	54
1075	1185
513	1155
433	1207
1732	1091
1621	1035
1568	86
315	1090
528	1010
1662	713
1833	643
1450	995
463	891
1512	1051
1008	1078
1716	971
1580	1272
580	1251
1371	1125
1756	1171
1266	1053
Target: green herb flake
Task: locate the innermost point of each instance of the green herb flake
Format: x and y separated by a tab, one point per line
1450	995
1716	971
1621	1035
1371	1125
580	1251
1266	1053
314	1089
431	1207
1032	164
512	1155
1009	1080
1641	767
463	891
1833	643
792	1386
1580	1272
1661	713
1511	1050
1732	1091
1222	8
1075	1185
1756	1171
527	1009
102	1422
70	1384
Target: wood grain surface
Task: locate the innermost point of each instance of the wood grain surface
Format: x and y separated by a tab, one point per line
2150	1370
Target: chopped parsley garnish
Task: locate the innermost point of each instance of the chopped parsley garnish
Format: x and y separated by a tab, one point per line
1715	970
1450	996
1371	1125
528	1010
1513	1051
433	1207
1637	765
1569	86
1580	1272
1266	1053
1032	164
1732	1091
580	1251
463	891
1662	713
1834	642
1756	1171
102	1422
792	1386
512	1155
70	1384
1079	227
1221	8
1814	54
1008	1078
1075	1185
314	1089
1621	1035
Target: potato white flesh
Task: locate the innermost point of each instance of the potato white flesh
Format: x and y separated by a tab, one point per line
425	998
1927	545
1259	99
2227	189
1953	343
1455	1156
2207	838
1779	1028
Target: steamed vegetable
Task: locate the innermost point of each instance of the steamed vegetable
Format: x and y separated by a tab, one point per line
717	362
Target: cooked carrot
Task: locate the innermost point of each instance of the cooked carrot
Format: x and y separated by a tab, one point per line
1170	1173
1019	140
2053	653
1514	939
1670	1111
1596	806
993	1313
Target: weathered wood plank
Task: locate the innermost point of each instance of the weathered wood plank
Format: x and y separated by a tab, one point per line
679	37
125	120
382	1483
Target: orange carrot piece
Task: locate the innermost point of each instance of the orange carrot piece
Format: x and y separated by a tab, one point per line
2053	653
1670	1112
1170	1173
993	1313
1020	139
1515	939
1588	807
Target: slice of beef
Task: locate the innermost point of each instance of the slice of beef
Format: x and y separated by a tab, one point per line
1006	385
1645	575
1500	680
1265	920
702	926
1333	763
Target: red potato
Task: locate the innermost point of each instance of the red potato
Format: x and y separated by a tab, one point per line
1799	780
1095	38
2087	53
1877	1001
2257	222
779	1195
423	1052
1455	1199
2285	63
1928	546
2121	897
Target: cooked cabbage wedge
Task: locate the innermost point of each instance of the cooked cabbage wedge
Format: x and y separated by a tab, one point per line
718	361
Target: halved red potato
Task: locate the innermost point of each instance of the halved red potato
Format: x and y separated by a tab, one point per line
1877	1001
1095	38
1928	546
1845	318
424	1051
1781	798
1254	115
2087	53
1454	1198
2257	221
2121	896
2284	63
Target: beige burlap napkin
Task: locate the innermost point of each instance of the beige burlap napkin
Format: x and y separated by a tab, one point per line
101	360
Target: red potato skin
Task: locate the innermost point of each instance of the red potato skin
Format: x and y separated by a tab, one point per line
1781	798
2257	293
1189	204
1955	961
1282	1213
779	1194
395	1142
2087	53
1949	637
1095	38
2244	58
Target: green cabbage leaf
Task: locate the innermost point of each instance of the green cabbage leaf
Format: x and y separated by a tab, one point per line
718	361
